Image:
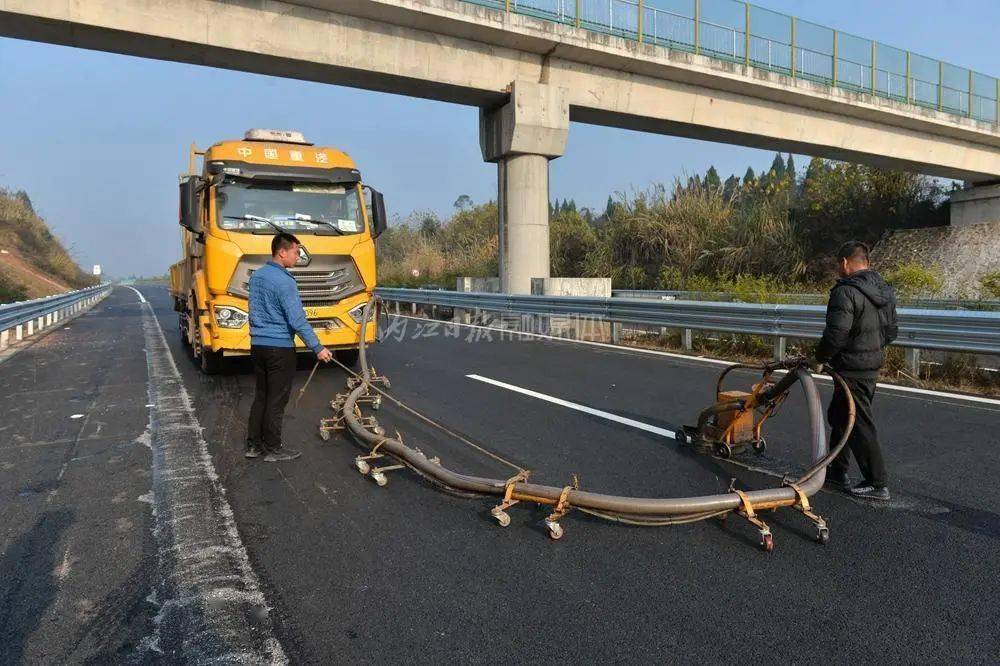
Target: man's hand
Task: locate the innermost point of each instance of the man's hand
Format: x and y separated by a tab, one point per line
325	355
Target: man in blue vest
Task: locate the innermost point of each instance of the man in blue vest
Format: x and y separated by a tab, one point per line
276	317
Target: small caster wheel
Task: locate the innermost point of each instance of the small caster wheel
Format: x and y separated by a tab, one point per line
723	450
376	402
324	434
681	437
380	478
362	466
760	445
555	530
387	385
379	430
766	543
503	518
823	536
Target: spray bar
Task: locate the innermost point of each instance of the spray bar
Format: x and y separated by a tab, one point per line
638	510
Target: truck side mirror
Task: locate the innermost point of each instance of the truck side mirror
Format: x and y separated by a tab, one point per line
376	211
190	215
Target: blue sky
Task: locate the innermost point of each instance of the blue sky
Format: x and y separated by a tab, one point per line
98	139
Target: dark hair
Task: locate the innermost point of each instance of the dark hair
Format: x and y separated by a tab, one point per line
283	241
853	250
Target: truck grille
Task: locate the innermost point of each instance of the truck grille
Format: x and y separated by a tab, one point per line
327	279
322	285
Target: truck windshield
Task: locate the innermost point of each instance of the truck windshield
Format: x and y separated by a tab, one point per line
294	207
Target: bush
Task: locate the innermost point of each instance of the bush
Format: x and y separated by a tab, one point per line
11	291
914	279
989	285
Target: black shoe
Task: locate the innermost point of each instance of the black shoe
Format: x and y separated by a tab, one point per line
281	454
838	480
865	490
252	452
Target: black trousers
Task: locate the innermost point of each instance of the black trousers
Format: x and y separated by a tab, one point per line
863	442
275	369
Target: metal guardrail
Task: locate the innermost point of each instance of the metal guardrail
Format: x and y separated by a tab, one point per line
805	299
757	37
25	318
947	330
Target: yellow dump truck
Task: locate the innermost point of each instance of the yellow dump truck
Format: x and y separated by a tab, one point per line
246	192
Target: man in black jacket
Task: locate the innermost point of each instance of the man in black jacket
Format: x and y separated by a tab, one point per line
860	322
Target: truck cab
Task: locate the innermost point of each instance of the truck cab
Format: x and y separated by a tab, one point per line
249	190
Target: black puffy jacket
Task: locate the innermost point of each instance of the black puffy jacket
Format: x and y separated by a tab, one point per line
860	322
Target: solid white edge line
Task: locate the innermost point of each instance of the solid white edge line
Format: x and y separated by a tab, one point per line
703	359
578	407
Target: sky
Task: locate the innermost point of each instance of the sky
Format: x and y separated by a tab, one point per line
97	139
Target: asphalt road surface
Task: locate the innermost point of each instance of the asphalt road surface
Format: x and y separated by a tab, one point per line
357	573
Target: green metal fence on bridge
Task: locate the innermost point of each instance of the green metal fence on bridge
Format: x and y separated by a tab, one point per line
757	37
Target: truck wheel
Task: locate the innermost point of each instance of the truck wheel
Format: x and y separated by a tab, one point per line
211	361
348	357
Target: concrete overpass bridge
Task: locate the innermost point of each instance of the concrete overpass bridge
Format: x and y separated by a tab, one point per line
760	80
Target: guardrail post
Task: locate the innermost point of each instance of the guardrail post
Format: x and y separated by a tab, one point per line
746	35
913	361
19	333
4	340
697	20
835	58
413	309
909	81
616	332
874	66
793	47
971	85
940	85
687	339
639	22
780	344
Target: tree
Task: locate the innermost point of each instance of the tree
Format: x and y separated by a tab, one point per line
778	167
790	168
571	240
609	209
749	178
712	180
731	187
430	226
462	202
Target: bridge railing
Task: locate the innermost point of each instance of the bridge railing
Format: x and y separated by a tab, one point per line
757	37
968	331
26	318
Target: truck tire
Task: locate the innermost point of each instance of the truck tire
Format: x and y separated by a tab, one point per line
348	357
211	361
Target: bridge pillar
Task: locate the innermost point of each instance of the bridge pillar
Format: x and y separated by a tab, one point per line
521	137
975	205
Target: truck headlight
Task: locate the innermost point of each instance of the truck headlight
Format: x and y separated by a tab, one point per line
358	311
227	316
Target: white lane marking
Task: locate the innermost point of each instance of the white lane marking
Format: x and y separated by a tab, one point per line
578	407
715	361
142	299
212	609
